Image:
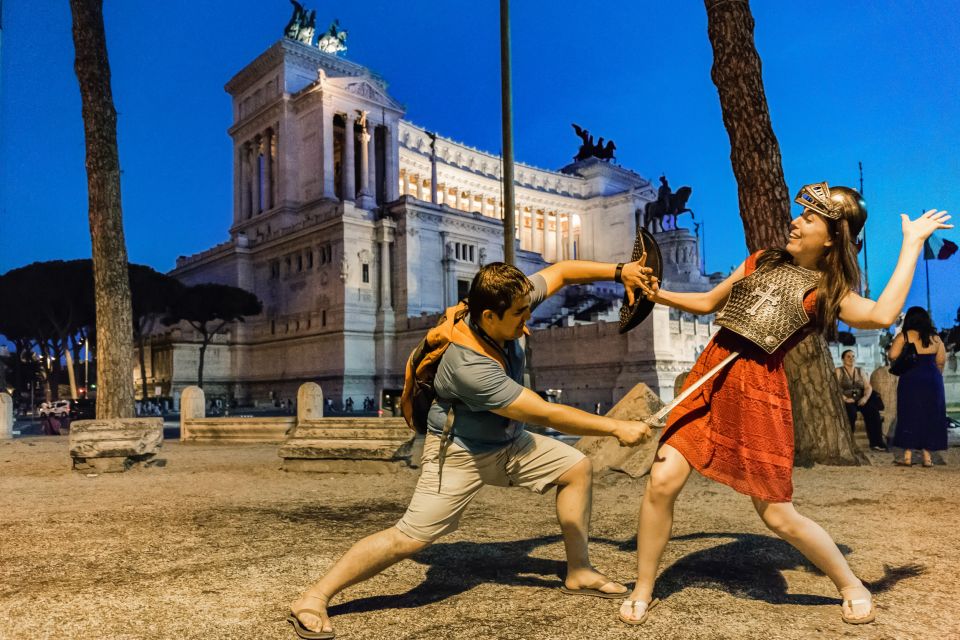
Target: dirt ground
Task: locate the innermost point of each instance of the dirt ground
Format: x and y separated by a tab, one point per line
216	544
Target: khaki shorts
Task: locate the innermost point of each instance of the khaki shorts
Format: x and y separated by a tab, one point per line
531	461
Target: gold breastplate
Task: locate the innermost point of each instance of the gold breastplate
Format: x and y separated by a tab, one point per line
766	307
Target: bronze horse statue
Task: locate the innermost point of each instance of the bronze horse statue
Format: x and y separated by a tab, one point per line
659	213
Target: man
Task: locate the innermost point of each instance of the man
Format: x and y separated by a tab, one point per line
489	444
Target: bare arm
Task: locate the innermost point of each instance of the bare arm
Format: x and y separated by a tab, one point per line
699	303
529	407
896	347
941	354
864	313
583	271
867	389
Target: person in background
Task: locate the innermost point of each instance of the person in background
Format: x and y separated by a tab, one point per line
921	404
858	397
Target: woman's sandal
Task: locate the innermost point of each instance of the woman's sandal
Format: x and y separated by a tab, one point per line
849	604
635	605
302	631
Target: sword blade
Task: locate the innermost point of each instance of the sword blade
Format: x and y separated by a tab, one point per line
658	417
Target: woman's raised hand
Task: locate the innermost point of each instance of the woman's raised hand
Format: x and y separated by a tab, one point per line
921	228
637	276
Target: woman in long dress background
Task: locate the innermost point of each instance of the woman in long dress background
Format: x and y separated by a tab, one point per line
921	405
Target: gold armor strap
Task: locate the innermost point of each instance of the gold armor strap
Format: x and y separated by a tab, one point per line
766	307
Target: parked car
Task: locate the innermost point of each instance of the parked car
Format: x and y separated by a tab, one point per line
59	408
83	409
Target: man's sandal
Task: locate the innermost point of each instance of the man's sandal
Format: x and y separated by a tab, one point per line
305	633
848	606
634	607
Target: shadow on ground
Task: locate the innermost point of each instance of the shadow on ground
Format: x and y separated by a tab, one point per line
749	566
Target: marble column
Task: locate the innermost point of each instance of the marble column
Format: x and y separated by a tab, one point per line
366	197
393	158
419	190
349	165
433	172
385	237
257	174
268	169
371	160
570	245
329	189
558	239
456	199
364	163
543	236
240	175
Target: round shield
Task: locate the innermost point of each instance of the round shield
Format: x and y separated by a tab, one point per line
632	315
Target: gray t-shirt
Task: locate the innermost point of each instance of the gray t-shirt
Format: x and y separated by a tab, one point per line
478	385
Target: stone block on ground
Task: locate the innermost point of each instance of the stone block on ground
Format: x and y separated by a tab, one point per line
309	402
114	445
361	445
885	384
606	453
234	429
6	416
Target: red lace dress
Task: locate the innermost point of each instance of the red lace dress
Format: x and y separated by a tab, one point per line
738	427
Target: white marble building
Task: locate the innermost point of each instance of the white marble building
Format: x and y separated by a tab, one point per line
352	226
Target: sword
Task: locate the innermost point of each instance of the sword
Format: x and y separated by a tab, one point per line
657	419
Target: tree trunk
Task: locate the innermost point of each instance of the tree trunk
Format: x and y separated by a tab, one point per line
818	407
754	150
115	387
821	431
203	352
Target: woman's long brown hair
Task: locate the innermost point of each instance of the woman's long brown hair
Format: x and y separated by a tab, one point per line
838	266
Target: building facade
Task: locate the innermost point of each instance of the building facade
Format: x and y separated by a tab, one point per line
355	228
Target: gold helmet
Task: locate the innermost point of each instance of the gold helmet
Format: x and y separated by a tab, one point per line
816	197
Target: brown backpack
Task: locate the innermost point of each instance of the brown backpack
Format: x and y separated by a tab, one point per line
418	392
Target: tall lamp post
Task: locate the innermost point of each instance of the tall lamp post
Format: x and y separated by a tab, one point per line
506	100
866	269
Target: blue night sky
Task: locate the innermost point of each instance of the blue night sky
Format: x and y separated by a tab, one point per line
845	81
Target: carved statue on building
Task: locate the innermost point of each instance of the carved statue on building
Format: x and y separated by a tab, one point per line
344	267
588	149
663	211
334	40
308	29
302	24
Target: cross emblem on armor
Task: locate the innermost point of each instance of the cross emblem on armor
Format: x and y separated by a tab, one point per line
763	296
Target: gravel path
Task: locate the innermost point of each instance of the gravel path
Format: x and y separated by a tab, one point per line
219	541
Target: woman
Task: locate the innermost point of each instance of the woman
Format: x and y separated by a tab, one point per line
921	406
857	393
738	429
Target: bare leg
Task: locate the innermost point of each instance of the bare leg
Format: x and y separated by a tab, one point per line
365	559
574	503
819	548
667	476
